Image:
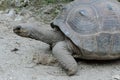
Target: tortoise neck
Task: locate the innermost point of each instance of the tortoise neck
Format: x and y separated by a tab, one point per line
47	35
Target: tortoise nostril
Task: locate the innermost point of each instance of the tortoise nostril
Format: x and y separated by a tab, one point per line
18	28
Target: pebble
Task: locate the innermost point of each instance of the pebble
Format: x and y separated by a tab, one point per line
116	77
11	13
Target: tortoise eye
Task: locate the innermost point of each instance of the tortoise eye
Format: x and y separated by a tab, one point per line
83	12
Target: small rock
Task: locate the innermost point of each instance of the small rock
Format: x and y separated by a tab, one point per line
1	12
19	18
32	19
14	50
11	13
116	77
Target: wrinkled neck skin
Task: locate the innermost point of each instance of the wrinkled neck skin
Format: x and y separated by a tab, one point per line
47	35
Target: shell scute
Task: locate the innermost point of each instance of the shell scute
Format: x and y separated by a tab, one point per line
81	20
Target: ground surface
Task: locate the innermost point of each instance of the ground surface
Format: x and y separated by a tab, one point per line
16	57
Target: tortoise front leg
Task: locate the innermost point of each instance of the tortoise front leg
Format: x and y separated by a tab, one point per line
63	55
34	31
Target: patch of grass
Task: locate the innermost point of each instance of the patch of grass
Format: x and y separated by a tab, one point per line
43	5
57	1
47	2
21	3
3	5
46	10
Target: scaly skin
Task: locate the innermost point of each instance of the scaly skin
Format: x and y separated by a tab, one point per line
34	31
62	47
81	20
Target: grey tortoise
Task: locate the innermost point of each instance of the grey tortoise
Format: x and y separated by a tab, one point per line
86	29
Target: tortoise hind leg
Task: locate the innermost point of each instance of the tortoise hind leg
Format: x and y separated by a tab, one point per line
61	52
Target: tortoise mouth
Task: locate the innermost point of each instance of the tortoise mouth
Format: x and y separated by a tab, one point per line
17	29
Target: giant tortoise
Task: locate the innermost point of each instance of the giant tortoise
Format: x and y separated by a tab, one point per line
86	29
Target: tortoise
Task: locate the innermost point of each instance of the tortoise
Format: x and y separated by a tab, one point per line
86	29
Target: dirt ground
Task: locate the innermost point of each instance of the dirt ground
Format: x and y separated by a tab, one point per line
16	57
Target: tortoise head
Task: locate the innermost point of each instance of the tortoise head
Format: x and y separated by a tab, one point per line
22	30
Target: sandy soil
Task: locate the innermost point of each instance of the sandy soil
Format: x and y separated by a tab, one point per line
16	57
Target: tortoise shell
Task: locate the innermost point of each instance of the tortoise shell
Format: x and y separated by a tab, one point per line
92	25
